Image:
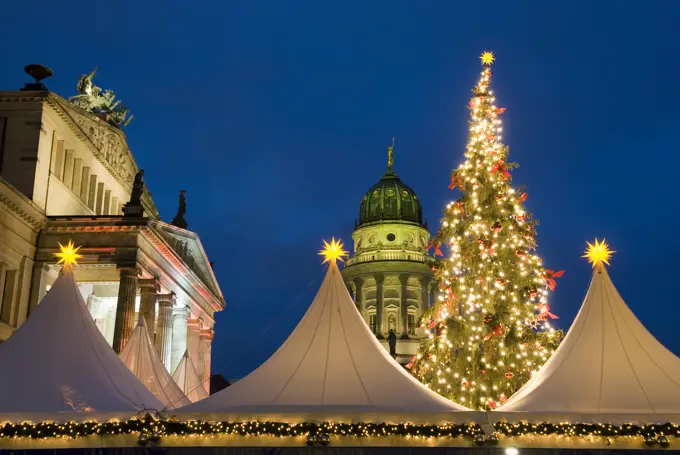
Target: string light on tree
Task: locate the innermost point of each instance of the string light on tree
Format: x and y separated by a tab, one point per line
490	327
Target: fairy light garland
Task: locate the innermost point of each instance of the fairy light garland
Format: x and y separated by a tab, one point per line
74	430
650	434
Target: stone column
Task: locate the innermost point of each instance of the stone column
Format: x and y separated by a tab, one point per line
359	297
148	289
193	339
164	328
125	309
350	285
179	335
90	300
403	279
425	295
206	338
379	304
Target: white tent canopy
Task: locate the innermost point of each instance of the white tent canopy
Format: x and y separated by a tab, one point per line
331	367
187	379
608	368
142	359
59	362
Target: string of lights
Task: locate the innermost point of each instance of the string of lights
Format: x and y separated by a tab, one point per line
157	429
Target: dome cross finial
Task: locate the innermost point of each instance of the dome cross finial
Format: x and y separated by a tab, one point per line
390	157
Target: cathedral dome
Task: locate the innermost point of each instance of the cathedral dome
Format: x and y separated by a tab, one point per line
390	200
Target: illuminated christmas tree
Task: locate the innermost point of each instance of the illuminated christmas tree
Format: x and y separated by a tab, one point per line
490	327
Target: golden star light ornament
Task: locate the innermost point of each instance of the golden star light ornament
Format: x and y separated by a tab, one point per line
68	254
332	251
487	58
599	253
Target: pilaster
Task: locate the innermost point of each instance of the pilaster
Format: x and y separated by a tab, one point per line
125	309
26	268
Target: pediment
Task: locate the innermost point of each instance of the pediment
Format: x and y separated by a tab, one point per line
188	247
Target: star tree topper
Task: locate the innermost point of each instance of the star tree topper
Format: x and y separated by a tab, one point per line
332	251
599	253
68	254
487	58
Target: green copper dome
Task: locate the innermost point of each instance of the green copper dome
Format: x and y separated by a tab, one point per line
390	200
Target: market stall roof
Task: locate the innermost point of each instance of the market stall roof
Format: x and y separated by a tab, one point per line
187	379
607	368
59	362
331	367
141	357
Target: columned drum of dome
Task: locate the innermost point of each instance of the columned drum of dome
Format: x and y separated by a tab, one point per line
388	274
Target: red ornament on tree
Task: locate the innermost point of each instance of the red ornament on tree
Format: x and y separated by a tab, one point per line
544	312
522	198
499	166
456	182
509	375
550	276
500	110
497	331
437	249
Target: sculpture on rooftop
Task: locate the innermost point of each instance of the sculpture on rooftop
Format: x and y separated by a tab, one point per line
93	99
179	220
134	206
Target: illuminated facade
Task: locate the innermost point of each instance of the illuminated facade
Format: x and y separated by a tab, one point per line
388	273
67	173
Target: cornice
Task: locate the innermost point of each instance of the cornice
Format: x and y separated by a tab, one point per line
23	96
171	256
19	205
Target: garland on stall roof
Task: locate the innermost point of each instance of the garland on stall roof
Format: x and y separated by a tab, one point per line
157	429
587	429
149	427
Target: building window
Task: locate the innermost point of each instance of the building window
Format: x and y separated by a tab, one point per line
373	323
391	237
412	324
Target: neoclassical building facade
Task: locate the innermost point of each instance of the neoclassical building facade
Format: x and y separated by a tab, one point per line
67	173
388	273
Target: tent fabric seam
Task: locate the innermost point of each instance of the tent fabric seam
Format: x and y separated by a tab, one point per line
108	376
309	345
351	357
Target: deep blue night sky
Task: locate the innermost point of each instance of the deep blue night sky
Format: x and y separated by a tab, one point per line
275	117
